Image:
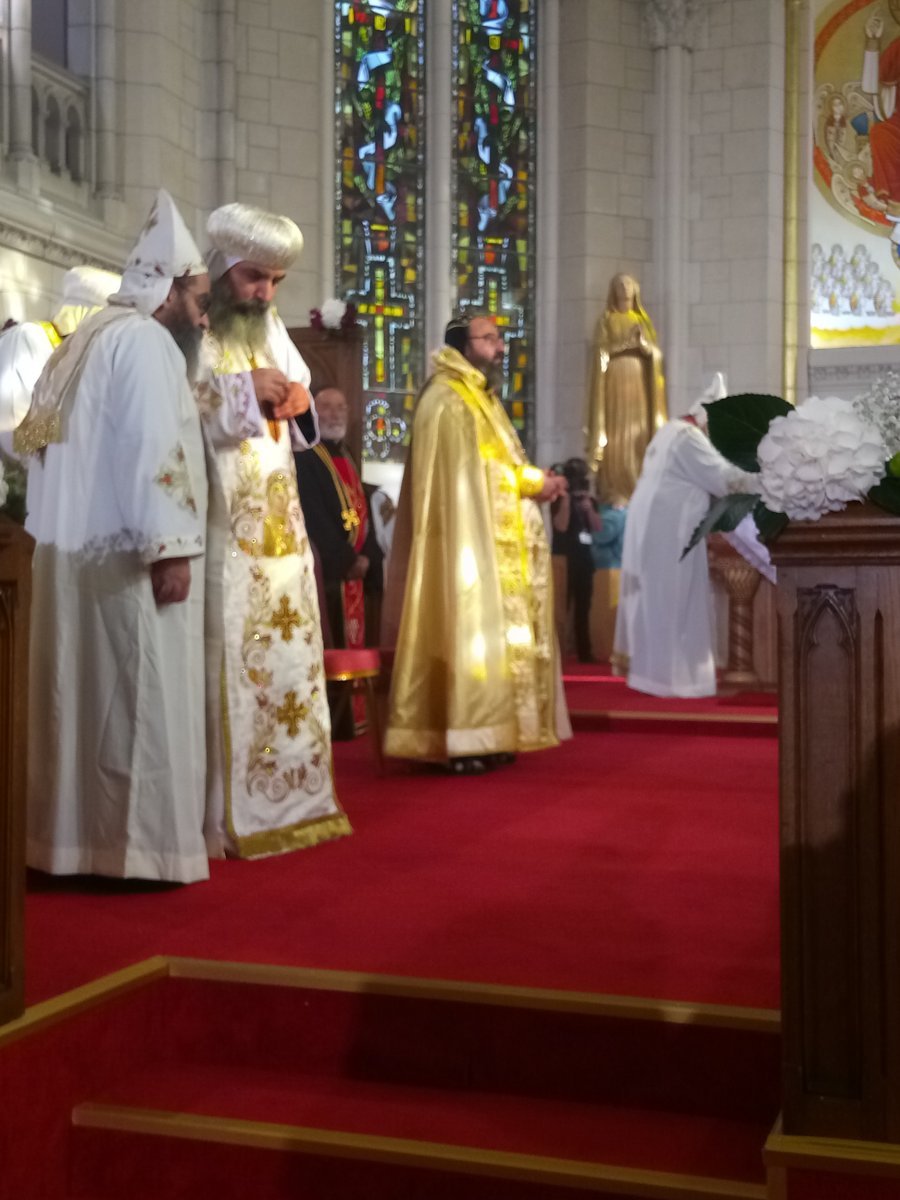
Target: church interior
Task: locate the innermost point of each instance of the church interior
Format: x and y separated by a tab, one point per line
661	959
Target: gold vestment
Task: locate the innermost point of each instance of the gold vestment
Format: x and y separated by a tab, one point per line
476	668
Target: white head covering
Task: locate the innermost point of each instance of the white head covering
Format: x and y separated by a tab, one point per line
85	289
165	251
242	233
717	390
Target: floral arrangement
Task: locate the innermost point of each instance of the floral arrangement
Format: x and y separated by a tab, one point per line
335	316
810	460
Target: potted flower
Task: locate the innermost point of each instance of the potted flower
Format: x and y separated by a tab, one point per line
811	460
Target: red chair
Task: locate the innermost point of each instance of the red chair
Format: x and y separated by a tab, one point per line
359	668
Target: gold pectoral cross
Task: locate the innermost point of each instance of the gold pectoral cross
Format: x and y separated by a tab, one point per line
350	518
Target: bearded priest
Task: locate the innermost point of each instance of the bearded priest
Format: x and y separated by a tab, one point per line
270	784
117	506
476	674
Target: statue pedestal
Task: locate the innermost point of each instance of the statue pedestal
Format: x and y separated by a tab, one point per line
15	599
839	626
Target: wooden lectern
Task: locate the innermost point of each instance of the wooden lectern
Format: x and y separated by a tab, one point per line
839	625
15	597
336	359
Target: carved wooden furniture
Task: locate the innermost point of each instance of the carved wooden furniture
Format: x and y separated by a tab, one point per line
839	626
15	585
336	359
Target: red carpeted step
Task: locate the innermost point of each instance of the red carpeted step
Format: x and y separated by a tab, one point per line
282	1111
600	1050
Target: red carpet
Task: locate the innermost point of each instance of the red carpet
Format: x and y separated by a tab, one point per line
621	863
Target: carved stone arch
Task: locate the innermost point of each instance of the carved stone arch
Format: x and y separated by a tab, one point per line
37	122
53	133
74	145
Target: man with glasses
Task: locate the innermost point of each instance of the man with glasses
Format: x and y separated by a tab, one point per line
476	671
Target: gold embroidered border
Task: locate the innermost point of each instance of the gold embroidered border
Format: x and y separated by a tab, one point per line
294	837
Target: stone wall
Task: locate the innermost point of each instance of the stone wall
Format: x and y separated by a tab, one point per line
606	184
216	100
737	202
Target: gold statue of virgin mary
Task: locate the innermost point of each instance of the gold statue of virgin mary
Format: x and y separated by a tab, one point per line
627	402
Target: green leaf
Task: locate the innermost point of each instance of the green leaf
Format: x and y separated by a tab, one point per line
769	524
737	425
887	494
724	515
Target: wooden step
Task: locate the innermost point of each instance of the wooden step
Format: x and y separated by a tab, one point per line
153	1134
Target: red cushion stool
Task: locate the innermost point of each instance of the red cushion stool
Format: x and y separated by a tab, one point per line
359	668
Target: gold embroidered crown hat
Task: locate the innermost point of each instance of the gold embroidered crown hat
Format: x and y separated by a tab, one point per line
84	290
242	233
164	251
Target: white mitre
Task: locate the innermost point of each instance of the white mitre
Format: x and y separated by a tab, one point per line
165	251
717	390
242	233
85	289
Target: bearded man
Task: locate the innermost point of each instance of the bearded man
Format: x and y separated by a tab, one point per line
270	785
337	519
117	506
476	672
25	348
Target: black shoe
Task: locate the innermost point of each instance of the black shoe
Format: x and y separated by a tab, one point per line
467	765
499	760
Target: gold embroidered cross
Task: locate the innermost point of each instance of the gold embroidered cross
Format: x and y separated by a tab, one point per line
291	714
285	619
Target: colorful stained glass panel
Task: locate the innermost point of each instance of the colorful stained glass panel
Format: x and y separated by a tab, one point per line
494	159
380	201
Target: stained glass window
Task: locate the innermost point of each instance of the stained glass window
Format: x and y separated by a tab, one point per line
381	202
494	152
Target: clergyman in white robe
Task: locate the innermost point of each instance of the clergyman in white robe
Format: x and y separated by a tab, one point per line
270	780
25	348
664	623
116	489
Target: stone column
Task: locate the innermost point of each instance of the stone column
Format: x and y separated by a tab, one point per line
671	27
19	61
106	182
226	101
439	137
547	419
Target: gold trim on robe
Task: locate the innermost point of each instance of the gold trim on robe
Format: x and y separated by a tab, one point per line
476	667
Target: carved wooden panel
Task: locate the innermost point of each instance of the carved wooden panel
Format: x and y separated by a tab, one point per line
336	359
15	556
839	626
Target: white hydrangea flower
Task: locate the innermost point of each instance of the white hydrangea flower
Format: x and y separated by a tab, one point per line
333	313
880	406
4	487
818	458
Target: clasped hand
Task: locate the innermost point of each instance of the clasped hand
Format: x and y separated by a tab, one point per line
279	397
554	487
